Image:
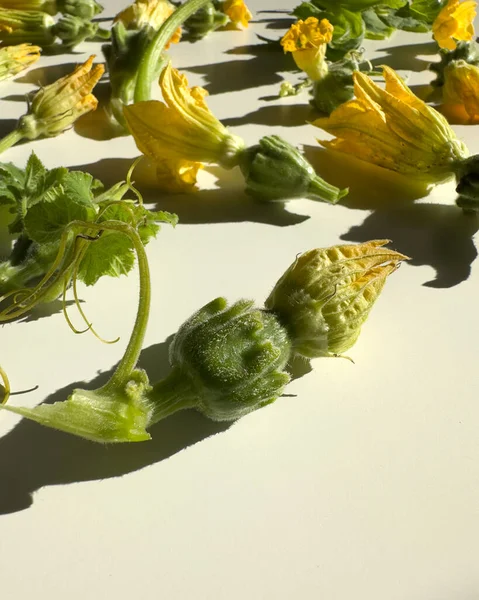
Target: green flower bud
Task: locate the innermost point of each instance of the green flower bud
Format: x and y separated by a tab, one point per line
23	26
228	360
46	6
336	87
85	9
466	51
468	184
74	30
204	21
275	171
325	296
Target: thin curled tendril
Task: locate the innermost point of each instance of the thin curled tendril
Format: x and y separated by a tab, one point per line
6	386
129	182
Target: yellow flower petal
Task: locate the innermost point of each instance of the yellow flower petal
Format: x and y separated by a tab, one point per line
461	92
393	129
307	41
177	176
181	128
237	11
14	59
454	23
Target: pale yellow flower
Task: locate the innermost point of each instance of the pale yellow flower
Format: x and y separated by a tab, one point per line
307	41
14	59
56	107
237	11
454	23
394	129
178	176
460	93
182	128
148	13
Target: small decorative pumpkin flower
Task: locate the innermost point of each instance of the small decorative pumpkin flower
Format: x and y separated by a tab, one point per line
460	101
394	129
237	11
454	23
14	59
23	26
325	296
307	41
148	13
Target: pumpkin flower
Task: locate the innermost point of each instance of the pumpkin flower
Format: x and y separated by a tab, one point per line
394	129
325	296
237	11
14	59
23	26
55	108
307	42
47	6
148	13
460	101
177	176
182	128
454	23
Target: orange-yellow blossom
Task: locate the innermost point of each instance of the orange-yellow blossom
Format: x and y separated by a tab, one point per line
394	129
454	23
460	93
307	41
148	13
237	11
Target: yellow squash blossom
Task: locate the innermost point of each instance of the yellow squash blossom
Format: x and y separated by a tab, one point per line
454	23
237	11
460	92
182	128
177	176
148	13
14	59
307	41
394	129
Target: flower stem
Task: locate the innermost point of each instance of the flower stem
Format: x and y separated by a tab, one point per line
171	395
10	140
148	66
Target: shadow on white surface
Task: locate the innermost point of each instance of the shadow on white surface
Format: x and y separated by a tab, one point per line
32	456
228	204
406	56
436	235
284	115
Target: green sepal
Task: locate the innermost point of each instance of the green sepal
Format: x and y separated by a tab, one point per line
74	30
99	415
467	176
337	86
85	9
274	170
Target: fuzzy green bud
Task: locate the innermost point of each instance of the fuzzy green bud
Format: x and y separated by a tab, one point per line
229	360
274	170
336	86
74	30
325	296
204	21
85	9
468	184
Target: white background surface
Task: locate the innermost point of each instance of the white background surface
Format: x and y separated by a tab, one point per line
364	483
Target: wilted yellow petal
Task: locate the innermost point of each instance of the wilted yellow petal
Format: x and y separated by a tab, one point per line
183	128
237	11
393	129
14	59
148	13
454	23
177	176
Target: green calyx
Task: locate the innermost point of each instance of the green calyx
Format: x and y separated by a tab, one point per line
85	9
467	175
204	21
336	87
230	360
274	170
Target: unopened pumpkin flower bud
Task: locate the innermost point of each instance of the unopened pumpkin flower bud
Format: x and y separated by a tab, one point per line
85	9
204	21
73	30
23	26
464	51
227	361
326	295
460	93
276	170
151	14
55	108
14	59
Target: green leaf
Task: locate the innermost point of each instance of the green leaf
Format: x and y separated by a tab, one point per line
426	10
46	221
111	254
376	29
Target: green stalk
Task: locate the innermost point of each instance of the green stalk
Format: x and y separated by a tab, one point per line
10	140
149	62
170	395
